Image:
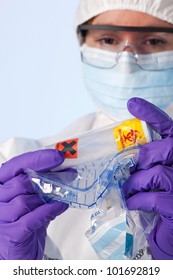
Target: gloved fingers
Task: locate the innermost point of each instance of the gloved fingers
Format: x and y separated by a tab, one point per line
160	202
41	160
151	114
38	218
157	178
18	207
156	152
16	186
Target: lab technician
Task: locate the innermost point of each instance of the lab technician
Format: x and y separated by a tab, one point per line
127	54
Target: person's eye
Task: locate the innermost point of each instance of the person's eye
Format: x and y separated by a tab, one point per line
155	42
108	41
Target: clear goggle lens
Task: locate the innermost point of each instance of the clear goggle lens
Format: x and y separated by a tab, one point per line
152	50
105	59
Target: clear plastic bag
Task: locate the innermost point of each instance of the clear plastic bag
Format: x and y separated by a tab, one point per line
90	164
115	232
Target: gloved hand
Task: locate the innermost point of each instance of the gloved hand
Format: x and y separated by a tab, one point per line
23	215
150	186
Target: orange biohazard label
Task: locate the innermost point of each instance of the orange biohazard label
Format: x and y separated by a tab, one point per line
129	133
68	147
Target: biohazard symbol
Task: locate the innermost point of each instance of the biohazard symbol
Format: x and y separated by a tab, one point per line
132	136
68	147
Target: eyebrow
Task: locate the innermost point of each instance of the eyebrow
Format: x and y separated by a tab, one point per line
85	27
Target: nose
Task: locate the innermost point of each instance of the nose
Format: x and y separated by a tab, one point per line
128	60
128	47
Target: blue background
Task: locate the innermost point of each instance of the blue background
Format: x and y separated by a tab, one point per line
41	84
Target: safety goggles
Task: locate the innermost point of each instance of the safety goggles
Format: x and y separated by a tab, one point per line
111	41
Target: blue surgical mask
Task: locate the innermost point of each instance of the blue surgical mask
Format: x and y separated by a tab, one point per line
111	88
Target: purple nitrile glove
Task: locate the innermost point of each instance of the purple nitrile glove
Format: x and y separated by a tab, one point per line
150	186
24	217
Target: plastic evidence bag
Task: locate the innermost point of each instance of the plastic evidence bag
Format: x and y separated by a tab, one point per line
91	161
117	233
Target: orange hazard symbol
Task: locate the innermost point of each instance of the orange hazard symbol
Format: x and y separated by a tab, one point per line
68	147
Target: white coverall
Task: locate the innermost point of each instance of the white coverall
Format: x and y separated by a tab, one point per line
66	234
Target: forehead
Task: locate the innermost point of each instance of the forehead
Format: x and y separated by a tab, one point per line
129	18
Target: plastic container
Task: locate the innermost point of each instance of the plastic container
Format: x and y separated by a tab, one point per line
93	161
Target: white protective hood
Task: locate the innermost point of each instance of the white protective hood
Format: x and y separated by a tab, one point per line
87	9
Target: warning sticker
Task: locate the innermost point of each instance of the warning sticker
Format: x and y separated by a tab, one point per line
68	147
129	133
